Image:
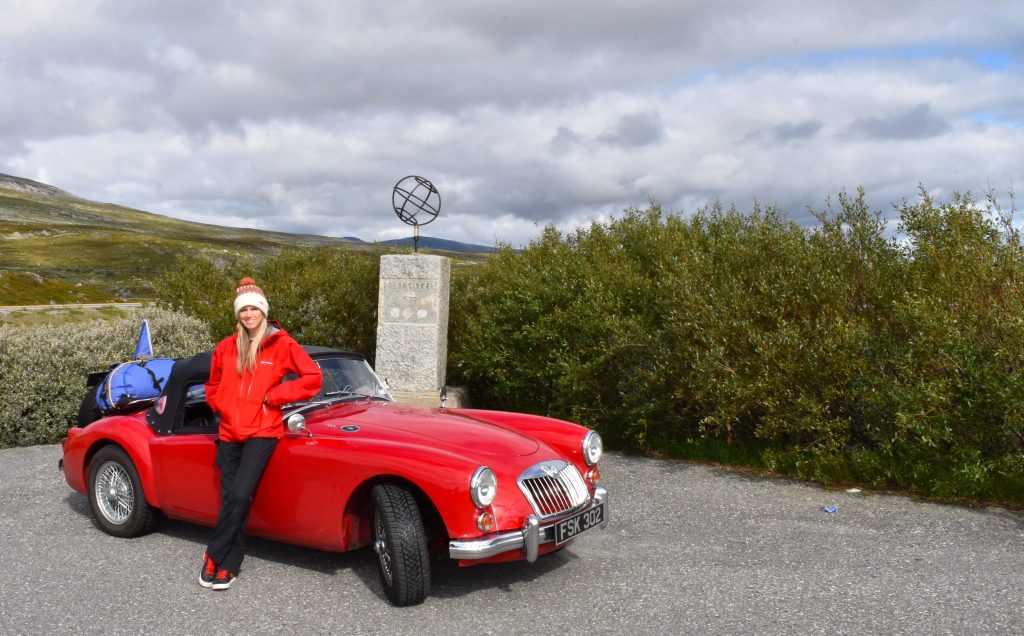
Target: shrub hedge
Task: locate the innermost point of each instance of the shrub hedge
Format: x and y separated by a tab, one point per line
326	296
44	367
837	353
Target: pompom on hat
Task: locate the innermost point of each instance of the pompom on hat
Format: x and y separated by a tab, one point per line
249	294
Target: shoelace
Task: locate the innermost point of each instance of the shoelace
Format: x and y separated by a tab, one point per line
209	567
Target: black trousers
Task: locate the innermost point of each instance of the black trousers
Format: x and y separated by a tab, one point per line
241	466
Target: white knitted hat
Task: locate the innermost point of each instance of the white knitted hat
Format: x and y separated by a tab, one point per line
249	294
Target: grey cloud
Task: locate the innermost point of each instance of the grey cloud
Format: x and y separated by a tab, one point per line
802	130
565	140
547	192
179	14
920	122
785	132
10	148
635	130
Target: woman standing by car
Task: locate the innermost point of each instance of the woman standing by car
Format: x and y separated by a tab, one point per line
246	387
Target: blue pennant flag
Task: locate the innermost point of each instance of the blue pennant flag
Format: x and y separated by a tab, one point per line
145	345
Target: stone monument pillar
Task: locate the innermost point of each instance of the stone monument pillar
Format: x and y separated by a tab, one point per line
412	326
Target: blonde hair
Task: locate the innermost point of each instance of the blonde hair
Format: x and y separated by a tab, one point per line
249	347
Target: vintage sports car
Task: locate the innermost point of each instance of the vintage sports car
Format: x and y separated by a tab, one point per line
354	469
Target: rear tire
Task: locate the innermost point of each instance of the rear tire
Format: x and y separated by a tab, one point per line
116	496
400	542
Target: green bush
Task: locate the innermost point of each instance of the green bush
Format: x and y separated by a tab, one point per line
323	296
45	367
836	353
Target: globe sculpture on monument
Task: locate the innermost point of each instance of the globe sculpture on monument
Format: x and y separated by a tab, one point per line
412	309
417	202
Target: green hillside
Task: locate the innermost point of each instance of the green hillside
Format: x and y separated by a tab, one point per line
58	248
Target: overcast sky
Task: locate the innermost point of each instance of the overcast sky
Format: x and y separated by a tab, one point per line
302	116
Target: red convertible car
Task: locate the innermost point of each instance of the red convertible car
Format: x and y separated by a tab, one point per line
354	469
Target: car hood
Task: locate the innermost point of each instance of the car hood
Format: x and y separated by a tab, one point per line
451	431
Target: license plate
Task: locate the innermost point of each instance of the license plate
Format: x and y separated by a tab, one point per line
578	524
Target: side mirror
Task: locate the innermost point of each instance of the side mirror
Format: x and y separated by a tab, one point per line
297	424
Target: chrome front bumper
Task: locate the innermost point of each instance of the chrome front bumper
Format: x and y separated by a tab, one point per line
529	538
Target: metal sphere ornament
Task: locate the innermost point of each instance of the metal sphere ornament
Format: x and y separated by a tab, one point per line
417	202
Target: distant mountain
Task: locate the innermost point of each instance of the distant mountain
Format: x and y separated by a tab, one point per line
431	243
57	247
28	185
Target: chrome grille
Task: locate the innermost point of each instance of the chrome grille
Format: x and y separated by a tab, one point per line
553	487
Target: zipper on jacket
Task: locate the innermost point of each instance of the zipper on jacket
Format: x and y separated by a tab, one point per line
252	378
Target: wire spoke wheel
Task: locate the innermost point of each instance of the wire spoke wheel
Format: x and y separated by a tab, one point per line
114	493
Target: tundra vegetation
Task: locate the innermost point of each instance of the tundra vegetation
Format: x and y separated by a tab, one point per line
851	352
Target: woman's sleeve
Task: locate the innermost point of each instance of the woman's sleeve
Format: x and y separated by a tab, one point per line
301	388
213	384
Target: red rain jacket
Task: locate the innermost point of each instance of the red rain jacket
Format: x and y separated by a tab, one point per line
250	404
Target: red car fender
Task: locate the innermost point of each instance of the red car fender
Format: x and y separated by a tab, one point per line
74	454
442	478
127	431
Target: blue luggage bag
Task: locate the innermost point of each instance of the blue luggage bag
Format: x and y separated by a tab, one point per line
133	383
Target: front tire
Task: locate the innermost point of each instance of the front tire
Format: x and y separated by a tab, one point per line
401	545
115	494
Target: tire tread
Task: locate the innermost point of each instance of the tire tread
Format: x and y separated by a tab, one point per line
410	557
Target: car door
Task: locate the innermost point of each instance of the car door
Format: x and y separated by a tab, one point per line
187	477
297	499
288	503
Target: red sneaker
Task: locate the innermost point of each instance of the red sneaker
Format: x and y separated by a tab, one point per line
208	572
223	579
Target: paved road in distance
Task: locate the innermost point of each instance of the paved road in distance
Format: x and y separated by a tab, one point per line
690	549
6	309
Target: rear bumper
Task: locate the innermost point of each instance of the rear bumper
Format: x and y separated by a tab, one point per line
529	538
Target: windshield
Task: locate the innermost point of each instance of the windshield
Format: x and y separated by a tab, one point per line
347	376
342	378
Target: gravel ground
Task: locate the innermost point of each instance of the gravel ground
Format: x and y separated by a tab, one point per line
690	549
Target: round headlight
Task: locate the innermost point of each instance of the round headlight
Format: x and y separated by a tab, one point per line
592	448
483	486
